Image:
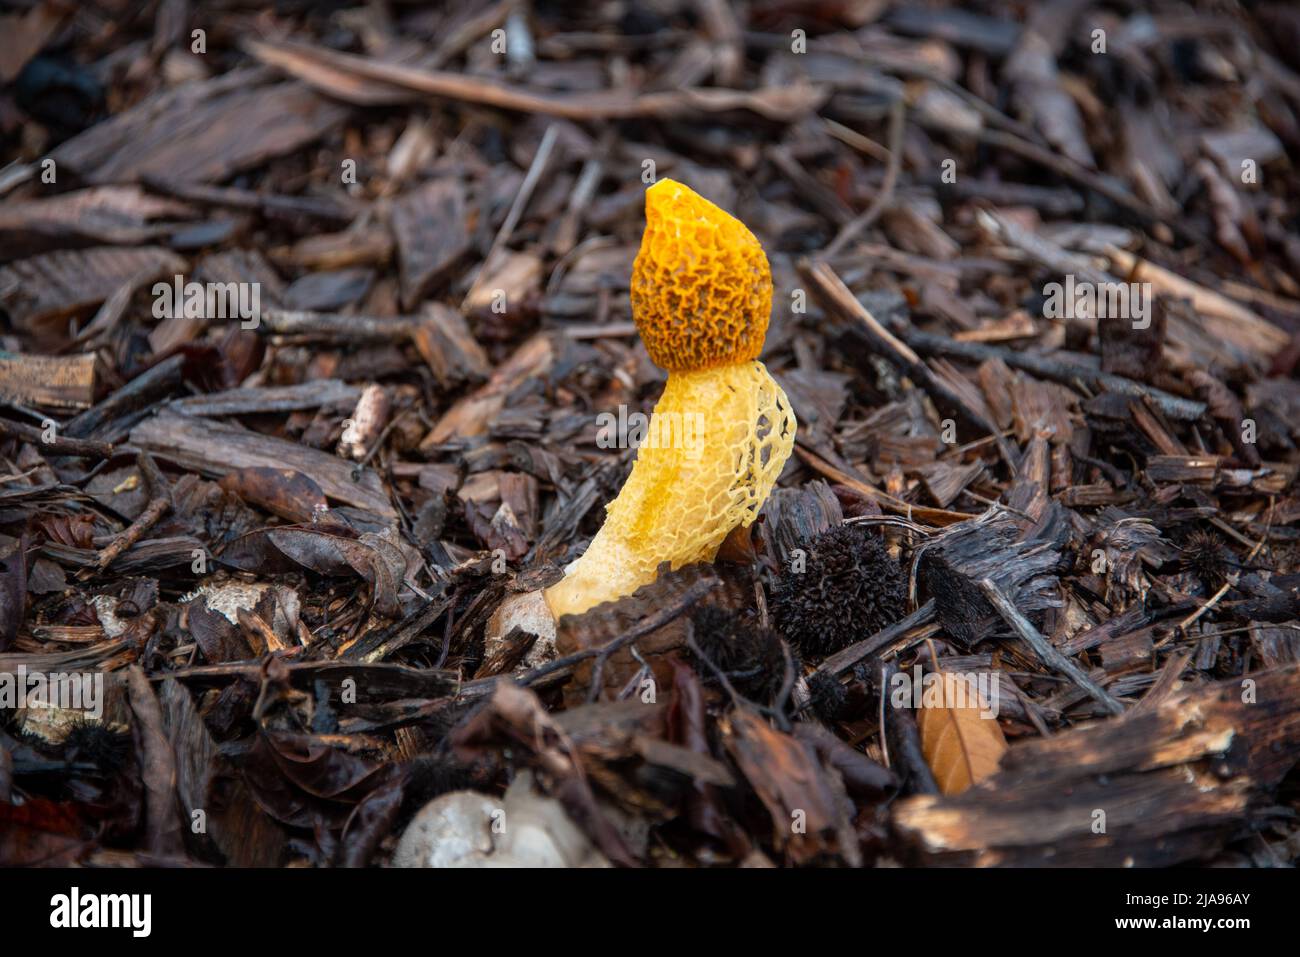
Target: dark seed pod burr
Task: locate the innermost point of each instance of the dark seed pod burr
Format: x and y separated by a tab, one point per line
849	589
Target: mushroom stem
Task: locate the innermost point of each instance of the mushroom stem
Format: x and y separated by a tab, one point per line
715	444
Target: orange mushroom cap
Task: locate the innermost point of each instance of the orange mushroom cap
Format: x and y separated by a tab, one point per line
701	284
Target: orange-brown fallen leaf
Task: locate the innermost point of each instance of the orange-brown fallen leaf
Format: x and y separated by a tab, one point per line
961	745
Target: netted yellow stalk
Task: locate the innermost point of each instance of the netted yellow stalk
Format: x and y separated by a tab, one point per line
722	430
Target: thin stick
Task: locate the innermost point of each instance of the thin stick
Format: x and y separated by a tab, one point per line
1223	590
846	658
338	74
882	199
853	138
1046	651
535	170
890	520
638	631
1191	619
158	506
56	444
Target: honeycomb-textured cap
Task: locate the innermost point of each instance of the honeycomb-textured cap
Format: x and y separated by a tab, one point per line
701	285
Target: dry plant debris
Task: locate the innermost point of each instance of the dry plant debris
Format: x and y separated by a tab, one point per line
328	334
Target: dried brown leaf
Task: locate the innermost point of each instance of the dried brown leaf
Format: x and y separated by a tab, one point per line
286	492
961	747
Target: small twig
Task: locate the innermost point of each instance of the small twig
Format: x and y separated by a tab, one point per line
780	704
880	202
818	195
907	757
718	673
584	191
1040	249
1047	652
332	210
638	631
1218	595
850	137
846	658
15	476
319	67
535	171
1191	619
891	520
56	444
159	504
335	327
885	668
886	501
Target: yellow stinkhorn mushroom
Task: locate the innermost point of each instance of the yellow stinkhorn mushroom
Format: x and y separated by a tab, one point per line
701	298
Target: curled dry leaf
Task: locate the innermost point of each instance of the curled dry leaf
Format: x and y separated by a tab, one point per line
285	492
373	558
961	746
300	779
76	530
